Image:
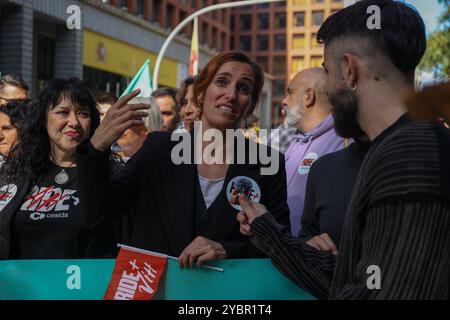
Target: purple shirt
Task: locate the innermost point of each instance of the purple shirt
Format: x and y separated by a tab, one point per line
301	154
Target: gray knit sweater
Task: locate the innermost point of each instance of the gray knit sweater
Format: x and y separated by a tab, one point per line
398	219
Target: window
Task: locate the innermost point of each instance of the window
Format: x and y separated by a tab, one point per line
123	4
279	88
299	19
245	22
263	42
224	16
214	37
298	41
280	42
223	43
314	43
298	63
316	61
280	20
263	5
318	1
183	15
140	7
245	43
279	65
194	4
263	62
156	8
46	62
204	33
232	22
169	16
317	17
263	21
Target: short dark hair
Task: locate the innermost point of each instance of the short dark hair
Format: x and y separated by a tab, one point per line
164	92
184	89
14	80
106	98
253	118
401	37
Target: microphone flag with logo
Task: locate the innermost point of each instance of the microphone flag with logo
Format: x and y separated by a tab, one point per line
136	275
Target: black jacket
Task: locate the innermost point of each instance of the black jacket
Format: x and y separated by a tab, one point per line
163	196
11	198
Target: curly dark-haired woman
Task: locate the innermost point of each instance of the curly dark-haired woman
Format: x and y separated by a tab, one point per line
39	209
12	125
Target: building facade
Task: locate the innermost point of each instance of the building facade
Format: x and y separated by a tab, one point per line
281	37
115	39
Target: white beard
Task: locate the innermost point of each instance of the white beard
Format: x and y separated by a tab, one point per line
293	117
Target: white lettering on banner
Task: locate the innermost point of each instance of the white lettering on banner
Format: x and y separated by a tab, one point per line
74	280
374	281
73	22
130	282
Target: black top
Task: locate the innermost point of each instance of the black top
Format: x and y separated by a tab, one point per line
328	191
398	220
166	198
48	225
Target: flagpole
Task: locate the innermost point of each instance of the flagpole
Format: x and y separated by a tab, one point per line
163	256
192	17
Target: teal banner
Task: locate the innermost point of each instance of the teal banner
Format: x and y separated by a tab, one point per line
88	280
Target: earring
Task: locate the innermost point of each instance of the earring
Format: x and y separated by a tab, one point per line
355	87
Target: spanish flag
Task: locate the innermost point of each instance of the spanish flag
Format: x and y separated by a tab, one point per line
194	58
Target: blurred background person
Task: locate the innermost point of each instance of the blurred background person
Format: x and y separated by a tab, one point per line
250	127
13	117
170	109
12	87
104	102
189	112
133	138
309	111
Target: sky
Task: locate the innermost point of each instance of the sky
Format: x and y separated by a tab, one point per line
429	10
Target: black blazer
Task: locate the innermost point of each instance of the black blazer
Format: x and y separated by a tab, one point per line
163	195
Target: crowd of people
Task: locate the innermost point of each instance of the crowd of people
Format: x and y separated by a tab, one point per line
361	181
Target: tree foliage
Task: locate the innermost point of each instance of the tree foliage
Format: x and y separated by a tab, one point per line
437	56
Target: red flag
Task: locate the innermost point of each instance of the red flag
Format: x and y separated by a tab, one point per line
136	276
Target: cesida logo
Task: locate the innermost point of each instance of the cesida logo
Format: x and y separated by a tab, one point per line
36	216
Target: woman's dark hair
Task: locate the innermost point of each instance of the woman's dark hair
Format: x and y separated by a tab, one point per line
35	142
17	111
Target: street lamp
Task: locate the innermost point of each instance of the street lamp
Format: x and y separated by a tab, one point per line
192	17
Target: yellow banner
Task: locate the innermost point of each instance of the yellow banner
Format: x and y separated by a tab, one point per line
110	55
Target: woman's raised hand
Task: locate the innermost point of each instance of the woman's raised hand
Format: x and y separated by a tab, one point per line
118	119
